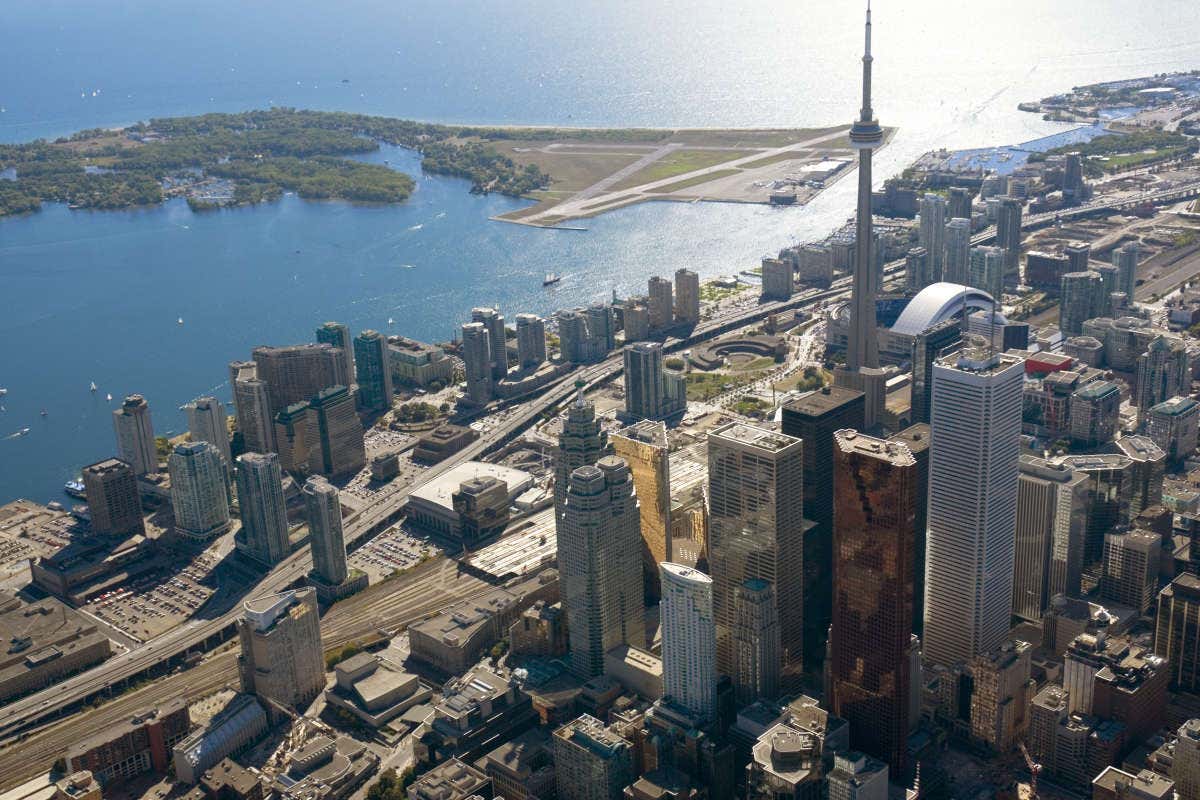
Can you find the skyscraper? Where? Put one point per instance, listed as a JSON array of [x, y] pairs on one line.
[[973, 471], [1050, 527], [338, 335], [644, 448], [932, 233], [1185, 770], [916, 269], [531, 341], [323, 508], [339, 433], [1008, 239], [687, 297], [956, 263], [581, 443], [1079, 295], [927, 346], [987, 270], [648, 389], [373, 370], [491, 319], [199, 490], [477, 361], [756, 530], [599, 564], [295, 373], [814, 418], [135, 435], [1130, 575], [865, 136], [661, 303], [1125, 259], [282, 661], [1177, 631], [916, 438], [207, 423], [1079, 256], [875, 490], [264, 533], [689, 646], [755, 642], [1162, 372], [591, 762], [252, 407], [296, 438], [959, 204], [113, 501]]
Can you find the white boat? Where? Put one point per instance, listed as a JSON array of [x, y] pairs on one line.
[[93, 386], [108, 398], [551, 278], [3, 392], [180, 321], [391, 321]]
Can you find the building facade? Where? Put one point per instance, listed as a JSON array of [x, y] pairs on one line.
[[282, 661], [264, 533], [199, 490], [689, 645], [135, 435], [373, 371]]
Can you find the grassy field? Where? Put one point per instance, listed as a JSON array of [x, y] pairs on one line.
[[678, 163], [688, 183]]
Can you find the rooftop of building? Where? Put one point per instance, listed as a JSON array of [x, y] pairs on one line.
[[821, 401], [637, 658], [440, 491], [1185, 583], [1097, 461], [38, 633], [147, 716], [915, 437], [647, 431], [588, 732], [1176, 406], [455, 625], [1140, 448], [263, 612], [1097, 389], [851, 441], [977, 356], [229, 773], [755, 437], [1146, 784], [522, 755]]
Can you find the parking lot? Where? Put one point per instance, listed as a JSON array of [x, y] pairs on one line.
[[398, 547]]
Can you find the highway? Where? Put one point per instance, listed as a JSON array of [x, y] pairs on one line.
[[191, 637]]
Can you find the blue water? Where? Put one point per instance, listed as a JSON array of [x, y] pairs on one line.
[[95, 295]]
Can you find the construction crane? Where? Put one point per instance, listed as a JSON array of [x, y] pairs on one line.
[[1034, 769]]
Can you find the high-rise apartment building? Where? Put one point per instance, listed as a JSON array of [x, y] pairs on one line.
[[114, 504], [135, 435], [916, 269], [1078, 301], [1177, 631], [295, 373], [477, 362], [252, 408], [491, 319], [1095, 413], [1162, 372], [1079, 256], [373, 370], [296, 438], [282, 661], [1008, 239], [207, 422], [264, 533], [643, 447], [778, 279], [661, 302], [689, 645], [580, 444], [875, 494], [323, 509], [339, 433], [591, 762], [1125, 259], [959, 202], [755, 636], [531, 341], [813, 418], [1050, 526], [973, 472], [987, 270], [687, 297], [650, 393], [338, 335], [756, 531], [199, 490], [956, 263], [599, 564], [1174, 425], [932, 233]]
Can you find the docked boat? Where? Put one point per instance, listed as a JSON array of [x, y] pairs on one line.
[[551, 279], [75, 489]]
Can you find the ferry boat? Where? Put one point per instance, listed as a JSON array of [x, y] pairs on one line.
[[551, 279], [75, 489]]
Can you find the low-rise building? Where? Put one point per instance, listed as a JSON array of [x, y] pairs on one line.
[[541, 630], [453, 780], [523, 769], [1174, 425], [1116, 784], [44, 642], [481, 706], [456, 638], [636, 669], [240, 724], [324, 768], [432, 505], [229, 780], [141, 743], [90, 565], [375, 689], [416, 363], [442, 442]]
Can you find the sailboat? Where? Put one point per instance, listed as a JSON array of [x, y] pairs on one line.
[[93, 387], [551, 278], [391, 321], [179, 321], [108, 398]]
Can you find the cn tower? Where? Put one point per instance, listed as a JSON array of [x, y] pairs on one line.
[[865, 136]]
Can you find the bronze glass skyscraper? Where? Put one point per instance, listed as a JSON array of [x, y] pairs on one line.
[[875, 489]]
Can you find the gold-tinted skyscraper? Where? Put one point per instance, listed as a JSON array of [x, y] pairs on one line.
[[644, 448], [875, 490]]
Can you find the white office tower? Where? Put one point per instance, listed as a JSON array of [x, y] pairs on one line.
[[477, 362], [975, 427], [956, 263], [207, 423], [600, 564], [932, 233], [689, 639], [135, 435], [199, 490]]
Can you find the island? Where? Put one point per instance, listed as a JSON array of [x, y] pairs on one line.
[[216, 160]]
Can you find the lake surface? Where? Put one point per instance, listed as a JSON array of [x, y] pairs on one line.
[[95, 295]]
